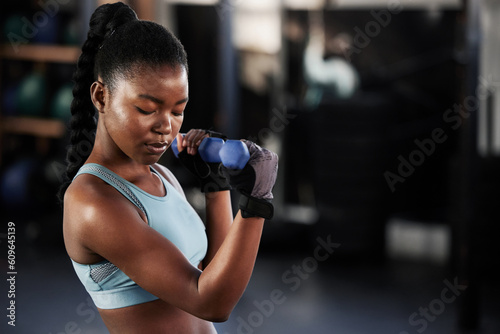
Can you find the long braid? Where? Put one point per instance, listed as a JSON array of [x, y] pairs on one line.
[[83, 123]]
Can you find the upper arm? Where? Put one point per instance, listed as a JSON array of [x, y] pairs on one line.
[[110, 226]]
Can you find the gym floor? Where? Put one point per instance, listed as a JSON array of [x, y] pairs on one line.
[[294, 290]]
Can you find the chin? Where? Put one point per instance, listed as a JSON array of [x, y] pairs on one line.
[[150, 160]]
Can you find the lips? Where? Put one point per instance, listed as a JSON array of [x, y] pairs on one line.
[[157, 148]]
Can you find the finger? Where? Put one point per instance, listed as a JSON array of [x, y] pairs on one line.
[[193, 140], [198, 137], [188, 141], [180, 142], [201, 137], [192, 137]]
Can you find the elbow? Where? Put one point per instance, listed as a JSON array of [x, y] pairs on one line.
[[217, 314], [219, 318]]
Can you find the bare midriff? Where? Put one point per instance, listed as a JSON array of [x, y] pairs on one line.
[[154, 317]]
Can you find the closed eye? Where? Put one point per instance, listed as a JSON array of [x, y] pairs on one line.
[[145, 112]]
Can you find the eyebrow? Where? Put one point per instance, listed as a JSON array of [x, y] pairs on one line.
[[158, 101]]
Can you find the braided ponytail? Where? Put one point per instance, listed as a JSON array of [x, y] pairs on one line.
[[83, 125]]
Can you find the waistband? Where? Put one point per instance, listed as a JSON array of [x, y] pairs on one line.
[[121, 297]]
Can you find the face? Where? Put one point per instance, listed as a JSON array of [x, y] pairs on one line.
[[142, 116]]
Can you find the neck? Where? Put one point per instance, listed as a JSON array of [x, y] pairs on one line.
[[108, 154]]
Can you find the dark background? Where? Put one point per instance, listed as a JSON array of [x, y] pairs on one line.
[[333, 160]]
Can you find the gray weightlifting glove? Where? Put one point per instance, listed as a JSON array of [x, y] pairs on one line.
[[255, 182]]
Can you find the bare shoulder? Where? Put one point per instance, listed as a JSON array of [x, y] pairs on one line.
[[88, 203], [169, 176], [89, 194]]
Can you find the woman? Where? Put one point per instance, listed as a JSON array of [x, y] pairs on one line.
[[140, 250]]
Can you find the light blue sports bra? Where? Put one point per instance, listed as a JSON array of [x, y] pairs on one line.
[[171, 215]]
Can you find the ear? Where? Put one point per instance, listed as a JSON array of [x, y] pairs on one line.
[[97, 94]]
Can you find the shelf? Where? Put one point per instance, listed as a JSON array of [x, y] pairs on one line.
[[49, 128], [42, 53]]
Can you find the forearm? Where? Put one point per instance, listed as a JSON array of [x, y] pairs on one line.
[[233, 246], [219, 217], [225, 279]]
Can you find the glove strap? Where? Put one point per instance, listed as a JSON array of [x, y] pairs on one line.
[[215, 134], [253, 207]]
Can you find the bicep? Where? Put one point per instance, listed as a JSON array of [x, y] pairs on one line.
[[117, 233]]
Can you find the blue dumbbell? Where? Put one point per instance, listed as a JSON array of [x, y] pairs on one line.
[[233, 153], [209, 149]]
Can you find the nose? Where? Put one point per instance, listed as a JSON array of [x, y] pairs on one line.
[[163, 124]]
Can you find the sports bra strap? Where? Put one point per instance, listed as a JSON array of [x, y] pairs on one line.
[[111, 179]]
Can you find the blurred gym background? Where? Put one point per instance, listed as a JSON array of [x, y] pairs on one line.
[[385, 115]]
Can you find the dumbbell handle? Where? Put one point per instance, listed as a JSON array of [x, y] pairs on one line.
[[232, 153]]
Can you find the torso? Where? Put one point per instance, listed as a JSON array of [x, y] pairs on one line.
[[152, 317]]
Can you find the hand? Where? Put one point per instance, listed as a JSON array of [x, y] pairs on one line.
[[191, 141], [255, 182], [208, 174]]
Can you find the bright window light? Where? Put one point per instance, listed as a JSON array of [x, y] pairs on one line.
[[405, 4], [304, 4], [258, 32], [193, 2], [255, 5]]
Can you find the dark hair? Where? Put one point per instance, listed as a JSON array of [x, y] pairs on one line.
[[117, 42]]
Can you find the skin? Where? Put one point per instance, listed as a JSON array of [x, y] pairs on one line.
[[99, 223]]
